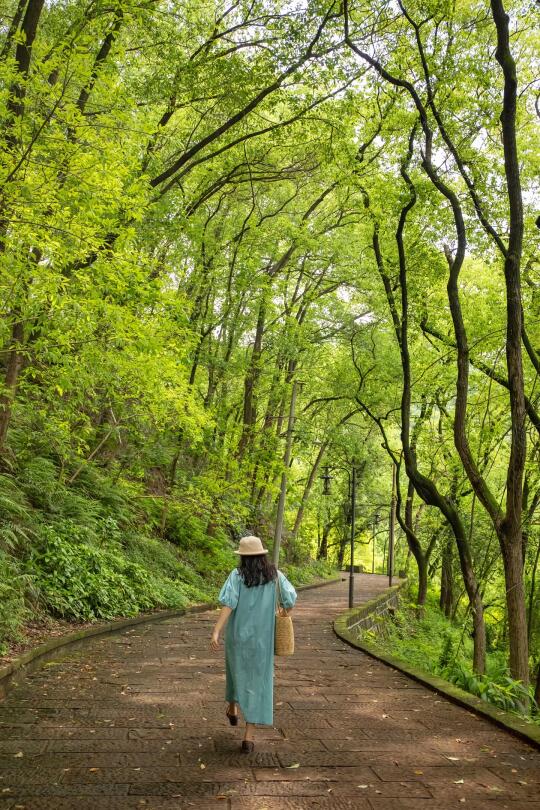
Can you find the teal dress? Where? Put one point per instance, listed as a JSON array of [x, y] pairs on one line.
[[249, 644]]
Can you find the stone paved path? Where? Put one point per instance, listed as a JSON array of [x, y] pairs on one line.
[[136, 720]]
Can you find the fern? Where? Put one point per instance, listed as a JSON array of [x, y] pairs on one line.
[[13, 610], [39, 480], [447, 651]]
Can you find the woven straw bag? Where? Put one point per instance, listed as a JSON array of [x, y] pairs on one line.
[[284, 632]]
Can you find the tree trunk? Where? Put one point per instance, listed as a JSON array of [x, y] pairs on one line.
[[322, 551], [415, 547], [307, 489], [422, 580], [517, 620], [446, 601], [250, 382], [10, 382], [283, 487]]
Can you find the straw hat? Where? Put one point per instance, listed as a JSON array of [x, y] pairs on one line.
[[250, 545]]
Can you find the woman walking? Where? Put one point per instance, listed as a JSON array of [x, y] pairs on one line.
[[249, 601]]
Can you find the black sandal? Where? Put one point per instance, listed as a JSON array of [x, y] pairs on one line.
[[248, 746], [233, 718]]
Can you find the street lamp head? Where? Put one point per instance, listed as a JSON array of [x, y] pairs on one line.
[[326, 478]]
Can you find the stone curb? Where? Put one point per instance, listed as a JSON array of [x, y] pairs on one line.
[[505, 720], [39, 655]]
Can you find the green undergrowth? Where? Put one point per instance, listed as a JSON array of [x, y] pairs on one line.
[[444, 648], [96, 550], [311, 571]]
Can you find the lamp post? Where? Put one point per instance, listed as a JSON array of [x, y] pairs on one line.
[[391, 538], [353, 528], [376, 518], [352, 489]]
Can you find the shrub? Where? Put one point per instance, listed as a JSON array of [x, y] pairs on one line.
[[12, 604], [506, 693], [302, 574], [77, 580]]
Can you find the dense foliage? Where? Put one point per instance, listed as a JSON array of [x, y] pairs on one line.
[[241, 245]]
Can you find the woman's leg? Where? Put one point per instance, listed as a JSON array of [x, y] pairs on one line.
[[249, 733], [232, 708]]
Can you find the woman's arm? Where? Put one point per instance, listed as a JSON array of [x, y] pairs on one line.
[[287, 594], [224, 614]]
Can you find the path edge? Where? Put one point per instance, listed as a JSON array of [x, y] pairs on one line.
[[39, 655], [454, 694]]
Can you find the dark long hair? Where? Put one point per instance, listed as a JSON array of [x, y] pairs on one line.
[[256, 569]]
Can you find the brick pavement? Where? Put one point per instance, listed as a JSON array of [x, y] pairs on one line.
[[136, 720]]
